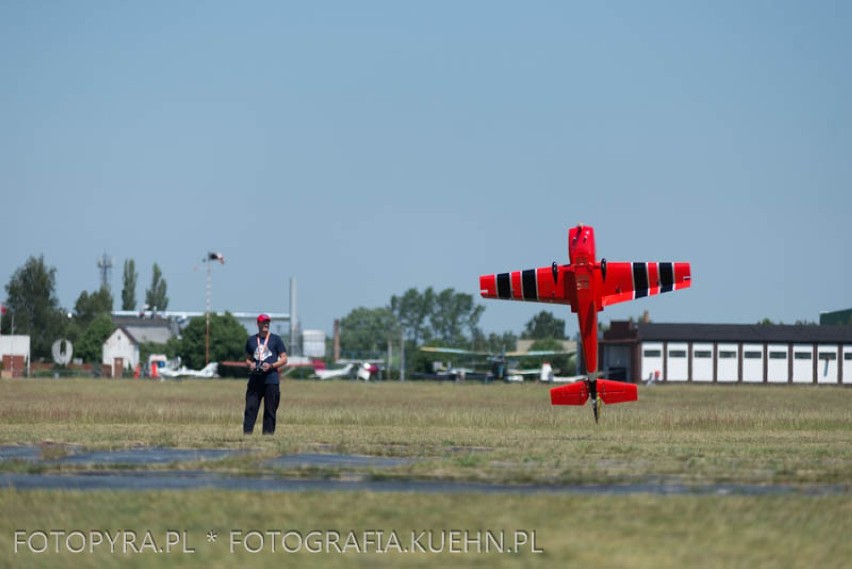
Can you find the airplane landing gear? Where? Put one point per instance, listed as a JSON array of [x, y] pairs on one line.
[[593, 394]]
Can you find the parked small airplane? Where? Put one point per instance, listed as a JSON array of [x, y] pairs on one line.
[[547, 375], [588, 286], [447, 371], [332, 373], [365, 370], [209, 371], [499, 362]]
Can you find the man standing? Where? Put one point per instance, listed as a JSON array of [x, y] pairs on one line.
[[265, 354]]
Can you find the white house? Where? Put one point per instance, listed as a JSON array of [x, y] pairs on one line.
[[15, 355], [121, 349]]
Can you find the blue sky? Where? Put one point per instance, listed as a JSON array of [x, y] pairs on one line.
[[365, 148]]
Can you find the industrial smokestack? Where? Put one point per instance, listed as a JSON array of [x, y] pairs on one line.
[[336, 340], [294, 342]]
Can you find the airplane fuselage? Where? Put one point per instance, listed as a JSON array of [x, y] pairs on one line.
[[587, 292]]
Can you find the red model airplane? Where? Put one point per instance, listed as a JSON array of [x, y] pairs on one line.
[[588, 286]]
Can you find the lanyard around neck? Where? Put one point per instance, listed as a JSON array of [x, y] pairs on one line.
[[265, 341]]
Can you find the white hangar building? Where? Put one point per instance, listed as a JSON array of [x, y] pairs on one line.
[[728, 353]]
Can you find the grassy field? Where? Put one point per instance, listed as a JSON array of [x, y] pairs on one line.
[[493, 433], [508, 434], [570, 531]]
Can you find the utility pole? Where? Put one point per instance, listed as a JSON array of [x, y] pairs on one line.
[[294, 324], [402, 355], [209, 294], [210, 257]]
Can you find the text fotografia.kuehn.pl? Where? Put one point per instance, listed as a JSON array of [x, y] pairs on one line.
[[126, 541]]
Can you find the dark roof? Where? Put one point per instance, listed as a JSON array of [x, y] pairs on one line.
[[127, 333], [779, 333], [140, 330], [155, 322]]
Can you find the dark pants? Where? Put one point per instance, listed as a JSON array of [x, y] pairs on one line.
[[271, 395]]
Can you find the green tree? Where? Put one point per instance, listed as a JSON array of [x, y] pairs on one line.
[[544, 325], [89, 347], [156, 297], [455, 318], [32, 305], [413, 311], [366, 331], [90, 306], [128, 292], [497, 343], [227, 340]]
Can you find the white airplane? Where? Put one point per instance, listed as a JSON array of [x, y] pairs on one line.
[[209, 371], [332, 373], [548, 376], [499, 361], [364, 370]]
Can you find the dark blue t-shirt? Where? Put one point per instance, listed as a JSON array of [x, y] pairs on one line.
[[269, 353]]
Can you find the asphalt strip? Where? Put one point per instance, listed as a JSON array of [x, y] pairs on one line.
[[199, 480]]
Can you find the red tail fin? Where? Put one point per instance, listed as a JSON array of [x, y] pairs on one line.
[[609, 392], [616, 391], [572, 394]]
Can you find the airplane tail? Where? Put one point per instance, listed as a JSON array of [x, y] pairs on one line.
[[616, 391], [576, 393], [608, 391]]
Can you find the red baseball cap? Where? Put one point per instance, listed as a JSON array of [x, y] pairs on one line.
[[263, 318]]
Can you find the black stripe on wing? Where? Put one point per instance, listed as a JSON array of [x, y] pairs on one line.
[[640, 280], [666, 277], [504, 286], [530, 286]]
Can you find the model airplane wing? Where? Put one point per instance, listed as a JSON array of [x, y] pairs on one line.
[[629, 281], [544, 284]]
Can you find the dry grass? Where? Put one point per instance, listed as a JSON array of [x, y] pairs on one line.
[[500, 433], [495, 433], [571, 531]]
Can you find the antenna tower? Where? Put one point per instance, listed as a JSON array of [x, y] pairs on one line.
[[105, 267]]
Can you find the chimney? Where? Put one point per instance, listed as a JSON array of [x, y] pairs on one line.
[[336, 339]]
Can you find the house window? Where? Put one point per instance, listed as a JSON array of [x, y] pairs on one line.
[[827, 356], [847, 356], [727, 354], [677, 353], [703, 354], [752, 355], [777, 355], [652, 353], [803, 355]]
